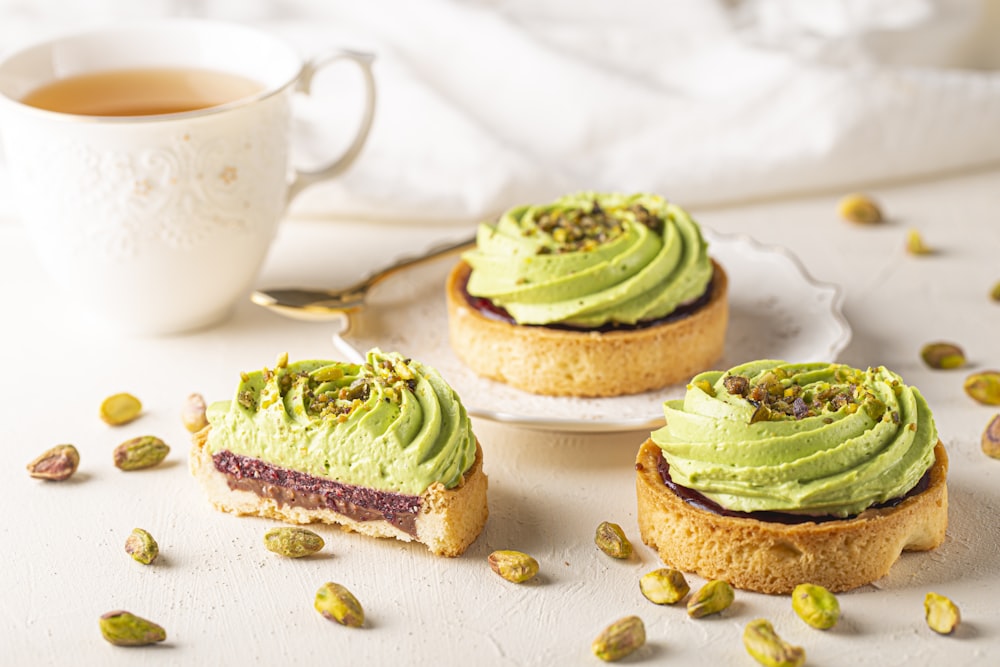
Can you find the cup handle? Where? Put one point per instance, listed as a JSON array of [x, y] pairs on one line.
[[305, 178]]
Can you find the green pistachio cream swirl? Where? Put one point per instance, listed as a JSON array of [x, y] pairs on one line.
[[590, 259], [391, 424], [814, 438]]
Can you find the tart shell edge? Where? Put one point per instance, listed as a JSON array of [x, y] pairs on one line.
[[558, 362], [773, 558]]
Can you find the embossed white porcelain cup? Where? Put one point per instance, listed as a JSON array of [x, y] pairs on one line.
[[159, 224]]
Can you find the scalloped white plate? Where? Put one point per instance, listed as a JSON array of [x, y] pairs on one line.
[[776, 311]]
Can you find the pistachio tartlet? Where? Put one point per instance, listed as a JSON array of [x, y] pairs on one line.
[[771, 475], [590, 295], [383, 448]]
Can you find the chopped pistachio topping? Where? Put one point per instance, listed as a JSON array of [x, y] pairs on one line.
[[775, 396], [573, 229]]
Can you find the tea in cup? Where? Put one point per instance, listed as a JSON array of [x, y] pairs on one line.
[[150, 163]]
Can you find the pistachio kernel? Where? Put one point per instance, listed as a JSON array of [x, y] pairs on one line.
[[943, 355], [995, 292], [736, 384], [767, 648], [292, 542], [816, 606], [120, 409], [713, 597], [123, 628], [193, 413], [143, 452], [610, 538], [141, 546], [513, 565], [860, 208], [55, 464], [984, 387], [282, 360], [336, 603], [664, 586], [761, 414], [991, 438], [915, 243], [619, 639], [706, 387], [941, 613]]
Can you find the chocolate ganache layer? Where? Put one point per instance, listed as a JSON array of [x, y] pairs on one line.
[[695, 499], [494, 312], [290, 487]]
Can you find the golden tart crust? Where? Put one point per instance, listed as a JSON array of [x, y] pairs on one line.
[[558, 362], [771, 557]]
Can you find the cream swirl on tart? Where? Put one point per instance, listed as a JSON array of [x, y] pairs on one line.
[[589, 260], [590, 295], [821, 439], [773, 474], [375, 446]]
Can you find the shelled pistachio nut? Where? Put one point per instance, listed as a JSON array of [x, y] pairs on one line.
[[991, 438], [915, 244], [513, 565], [141, 546], [984, 387], [767, 648], [610, 538], [143, 452], [816, 606], [123, 628], [664, 586], [55, 464], [336, 603], [119, 409], [943, 355], [713, 597], [860, 208], [941, 613], [620, 639], [292, 542], [193, 413]]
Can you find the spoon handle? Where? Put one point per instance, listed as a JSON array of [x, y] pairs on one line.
[[413, 260], [325, 303]]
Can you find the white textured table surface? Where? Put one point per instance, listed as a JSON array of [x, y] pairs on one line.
[[225, 600]]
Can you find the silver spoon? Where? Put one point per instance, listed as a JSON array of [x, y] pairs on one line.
[[321, 304]]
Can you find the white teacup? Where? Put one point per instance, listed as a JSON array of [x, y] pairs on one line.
[[159, 223]]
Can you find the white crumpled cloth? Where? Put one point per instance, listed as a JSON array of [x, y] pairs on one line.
[[486, 104]]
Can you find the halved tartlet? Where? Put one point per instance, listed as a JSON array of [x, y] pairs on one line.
[[383, 448]]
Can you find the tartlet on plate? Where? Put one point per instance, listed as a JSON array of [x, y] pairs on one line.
[[383, 448], [591, 295], [770, 475]]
